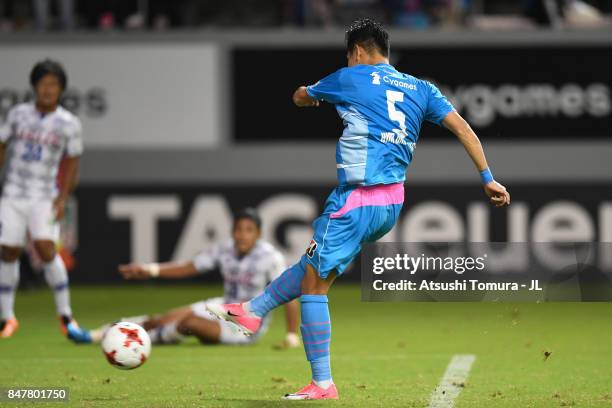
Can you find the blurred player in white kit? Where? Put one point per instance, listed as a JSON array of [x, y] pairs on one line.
[[34, 139], [247, 264]]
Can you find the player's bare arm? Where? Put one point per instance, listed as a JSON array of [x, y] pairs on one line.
[[2, 154], [496, 192], [67, 184], [301, 99], [168, 270]]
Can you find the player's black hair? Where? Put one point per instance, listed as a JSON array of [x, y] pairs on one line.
[[45, 67], [369, 34], [248, 213]]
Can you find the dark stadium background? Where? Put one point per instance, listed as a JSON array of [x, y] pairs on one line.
[[195, 117]]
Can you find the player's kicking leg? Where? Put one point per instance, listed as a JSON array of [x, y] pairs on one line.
[[299, 281], [352, 215], [248, 316], [303, 281]]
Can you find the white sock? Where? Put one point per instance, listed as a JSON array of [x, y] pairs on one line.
[[97, 334], [9, 280], [324, 384], [166, 334], [57, 278]]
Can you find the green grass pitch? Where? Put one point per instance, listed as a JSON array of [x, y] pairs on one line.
[[383, 354]]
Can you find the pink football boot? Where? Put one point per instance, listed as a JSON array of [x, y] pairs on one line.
[[8, 327], [314, 392], [247, 322]]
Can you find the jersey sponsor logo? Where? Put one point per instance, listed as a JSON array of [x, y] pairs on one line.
[[375, 78], [399, 84], [312, 247]]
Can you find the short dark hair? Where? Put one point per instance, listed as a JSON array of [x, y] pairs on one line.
[[369, 34], [45, 67], [248, 213]]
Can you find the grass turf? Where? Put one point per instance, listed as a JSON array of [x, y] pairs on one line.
[[384, 354]]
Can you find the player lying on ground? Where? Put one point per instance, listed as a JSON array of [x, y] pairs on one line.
[[34, 138], [247, 265], [382, 110]]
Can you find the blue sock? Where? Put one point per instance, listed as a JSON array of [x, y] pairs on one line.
[[281, 290], [316, 334]]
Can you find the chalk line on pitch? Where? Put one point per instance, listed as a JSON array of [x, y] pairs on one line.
[[452, 382]]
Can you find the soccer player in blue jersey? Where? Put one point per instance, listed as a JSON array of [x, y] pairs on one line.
[[382, 110]]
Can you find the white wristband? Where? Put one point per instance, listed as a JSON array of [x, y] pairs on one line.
[[152, 269]]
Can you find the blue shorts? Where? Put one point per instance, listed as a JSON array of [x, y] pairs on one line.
[[352, 215]]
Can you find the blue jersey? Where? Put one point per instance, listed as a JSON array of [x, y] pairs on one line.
[[382, 111]]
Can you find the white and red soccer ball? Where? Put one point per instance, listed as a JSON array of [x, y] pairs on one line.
[[126, 345]]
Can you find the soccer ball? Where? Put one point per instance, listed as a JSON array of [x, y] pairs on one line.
[[126, 345]]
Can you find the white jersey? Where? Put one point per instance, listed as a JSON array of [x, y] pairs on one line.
[[37, 143], [243, 277]]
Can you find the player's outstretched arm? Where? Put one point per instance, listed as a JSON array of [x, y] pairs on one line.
[[302, 99], [169, 270], [2, 153], [496, 192]]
